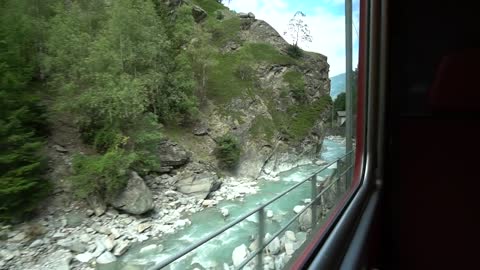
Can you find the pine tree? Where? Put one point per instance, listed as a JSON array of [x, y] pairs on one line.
[[21, 185]]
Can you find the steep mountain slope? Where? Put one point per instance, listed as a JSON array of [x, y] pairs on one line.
[[273, 104]]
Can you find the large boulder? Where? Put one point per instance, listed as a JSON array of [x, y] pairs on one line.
[[172, 155], [136, 198], [239, 254], [60, 260], [198, 13], [97, 204], [199, 185], [274, 247], [305, 220]]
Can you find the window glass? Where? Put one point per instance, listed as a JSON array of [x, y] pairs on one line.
[[189, 134]]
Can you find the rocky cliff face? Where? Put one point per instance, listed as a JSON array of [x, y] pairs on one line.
[[275, 105]]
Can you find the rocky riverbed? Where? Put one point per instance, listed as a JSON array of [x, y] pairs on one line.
[[74, 237], [71, 234]]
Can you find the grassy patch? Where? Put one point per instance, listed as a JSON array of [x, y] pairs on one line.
[[296, 84], [267, 53], [224, 82], [263, 127], [303, 117], [224, 31], [210, 6]]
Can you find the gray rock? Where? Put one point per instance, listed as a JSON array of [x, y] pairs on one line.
[[115, 234], [60, 148], [269, 213], [148, 248], [280, 261], [243, 15], [97, 204], [268, 263], [74, 219], [274, 246], [59, 235], [8, 255], [36, 243], [73, 245], [298, 208], [171, 154], [199, 185], [89, 212], [290, 235], [19, 237], [251, 15], [198, 13], [142, 227], [200, 130], [85, 238], [106, 258], [84, 257], [171, 193], [225, 212], [305, 220], [59, 260], [239, 254], [301, 237], [253, 246], [121, 247], [99, 248], [289, 248], [136, 198], [108, 243], [101, 229]]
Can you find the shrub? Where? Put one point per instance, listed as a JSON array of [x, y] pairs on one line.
[[294, 51], [244, 72], [219, 15], [228, 152], [21, 163], [101, 174], [296, 83]]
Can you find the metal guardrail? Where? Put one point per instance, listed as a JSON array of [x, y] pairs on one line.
[[260, 210]]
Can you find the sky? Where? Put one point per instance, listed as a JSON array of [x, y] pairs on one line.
[[325, 18]]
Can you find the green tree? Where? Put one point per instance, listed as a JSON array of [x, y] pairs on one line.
[[228, 151], [340, 102], [21, 118]]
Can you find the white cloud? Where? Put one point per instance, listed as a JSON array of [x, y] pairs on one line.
[[327, 28]]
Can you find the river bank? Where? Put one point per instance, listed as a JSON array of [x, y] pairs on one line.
[[73, 237]]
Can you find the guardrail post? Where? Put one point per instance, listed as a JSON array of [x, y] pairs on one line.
[[322, 207], [345, 175], [261, 236], [313, 181]]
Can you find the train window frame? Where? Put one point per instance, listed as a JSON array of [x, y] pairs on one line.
[[339, 243]]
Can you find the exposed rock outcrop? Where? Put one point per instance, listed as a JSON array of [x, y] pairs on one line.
[[172, 155], [136, 198], [198, 13], [276, 129], [199, 185]]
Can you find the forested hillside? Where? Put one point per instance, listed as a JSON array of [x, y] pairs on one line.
[[132, 113], [130, 74]]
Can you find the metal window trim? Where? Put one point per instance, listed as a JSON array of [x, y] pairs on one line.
[[342, 243]]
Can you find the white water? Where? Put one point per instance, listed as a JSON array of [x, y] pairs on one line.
[[218, 251]]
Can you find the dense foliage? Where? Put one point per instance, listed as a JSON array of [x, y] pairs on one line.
[[22, 122], [228, 151], [340, 102], [120, 70]]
